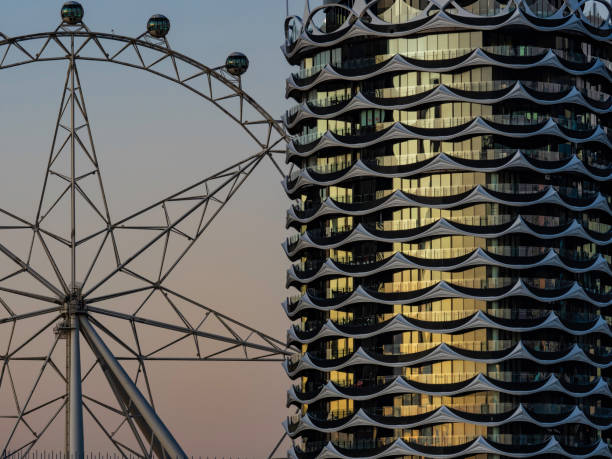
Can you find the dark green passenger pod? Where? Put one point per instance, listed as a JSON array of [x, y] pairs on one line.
[[237, 64], [158, 26], [72, 13]]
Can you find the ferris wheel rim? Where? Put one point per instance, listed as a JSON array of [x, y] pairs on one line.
[[139, 41]]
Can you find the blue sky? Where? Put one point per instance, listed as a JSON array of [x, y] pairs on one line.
[[153, 138]]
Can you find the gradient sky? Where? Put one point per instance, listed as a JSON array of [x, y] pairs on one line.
[[152, 138]]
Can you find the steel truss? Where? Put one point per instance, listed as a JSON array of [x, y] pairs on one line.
[[102, 291]]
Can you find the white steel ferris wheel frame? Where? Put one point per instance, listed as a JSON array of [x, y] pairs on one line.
[[71, 299]]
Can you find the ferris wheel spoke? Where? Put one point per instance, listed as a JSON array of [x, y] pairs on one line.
[[184, 320], [17, 406], [32, 272], [142, 365], [123, 293], [6, 307], [105, 211], [13, 389], [136, 409], [91, 204], [45, 404], [46, 427], [218, 191], [53, 154], [23, 223], [61, 375], [31, 295], [237, 334], [228, 172], [51, 259], [24, 450], [131, 451], [123, 412], [102, 404], [12, 354], [18, 452], [277, 446], [221, 352], [29, 397], [113, 336], [4, 357], [167, 241], [254, 339], [185, 332], [107, 434], [90, 371], [11, 275], [276, 165], [54, 236], [5, 362], [117, 411], [17, 317], [127, 418], [78, 146], [206, 218], [96, 257], [151, 355], [228, 321], [110, 409], [139, 277], [38, 435]]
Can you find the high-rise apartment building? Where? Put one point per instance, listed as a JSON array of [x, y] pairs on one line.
[[451, 179]]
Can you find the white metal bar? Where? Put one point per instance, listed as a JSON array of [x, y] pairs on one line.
[[77, 445], [147, 419]]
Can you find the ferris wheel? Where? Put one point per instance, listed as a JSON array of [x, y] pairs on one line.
[[89, 283]]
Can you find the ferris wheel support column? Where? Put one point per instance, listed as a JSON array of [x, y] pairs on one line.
[[153, 428], [76, 397], [75, 441]]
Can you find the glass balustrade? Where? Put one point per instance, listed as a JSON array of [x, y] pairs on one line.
[[364, 63], [400, 92]]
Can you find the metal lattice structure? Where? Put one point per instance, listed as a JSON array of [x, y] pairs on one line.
[[88, 274]]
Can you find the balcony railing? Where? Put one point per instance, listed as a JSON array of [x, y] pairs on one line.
[[446, 54], [513, 377], [447, 440], [400, 92], [452, 122]]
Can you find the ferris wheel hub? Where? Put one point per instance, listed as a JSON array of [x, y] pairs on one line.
[[73, 306]]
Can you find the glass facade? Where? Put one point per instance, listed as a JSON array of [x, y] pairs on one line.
[[452, 216]]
